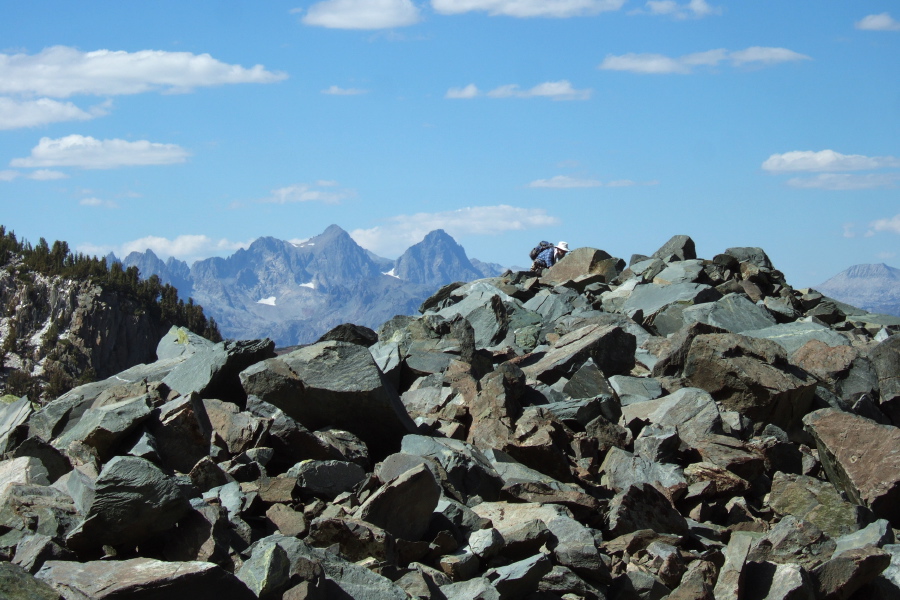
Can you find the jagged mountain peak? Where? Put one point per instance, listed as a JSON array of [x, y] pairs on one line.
[[435, 260]]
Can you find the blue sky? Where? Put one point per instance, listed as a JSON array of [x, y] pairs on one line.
[[194, 128]]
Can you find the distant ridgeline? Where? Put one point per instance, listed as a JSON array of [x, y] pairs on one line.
[[67, 318]]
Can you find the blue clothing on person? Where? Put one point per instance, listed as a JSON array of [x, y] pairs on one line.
[[547, 256]]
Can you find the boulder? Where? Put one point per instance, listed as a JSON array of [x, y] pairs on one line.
[[133, 500], [733, 313], [13, 423], [643, 507], [327, 478], [333, 384], [861, 458], [610, 348], [18, 584], [750, 376], [584, 261], [142, 579], [212, 371], [792, 336], [649, 299], [815, 501], [468, 469], [403, 506], [352, 334], [679, 247], [102, 428]]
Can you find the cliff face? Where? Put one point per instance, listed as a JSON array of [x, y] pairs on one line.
[[53, 328]]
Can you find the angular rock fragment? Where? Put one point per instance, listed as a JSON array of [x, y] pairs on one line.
[[333, 384], [142, 579], [403, 506], [861, 458]]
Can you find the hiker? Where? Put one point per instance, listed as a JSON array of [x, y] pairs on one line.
[[549, 256]]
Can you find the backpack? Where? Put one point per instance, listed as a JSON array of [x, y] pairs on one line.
[[538, 249]]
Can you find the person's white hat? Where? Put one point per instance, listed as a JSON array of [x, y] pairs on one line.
[[563, 246]]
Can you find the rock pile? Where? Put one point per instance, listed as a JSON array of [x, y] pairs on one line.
[[678, 428]]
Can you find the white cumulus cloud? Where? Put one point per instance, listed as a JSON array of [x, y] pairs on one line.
[[527, 8], [61, 72], [693, 9], [86, 152], [555, 90], [826, 160], [660, 64], [470, 91], [9, 175], [362, 14], [322, 191], [891, 225], [15, 114], [402, 231], [879, 22]]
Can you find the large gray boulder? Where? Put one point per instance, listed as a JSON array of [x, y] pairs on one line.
[[403, 506], [102, 428], [733, 313], [133, 500], [792, 336], [610, 348], [333, 384], [212, 371], [468, 470], [13, 423]]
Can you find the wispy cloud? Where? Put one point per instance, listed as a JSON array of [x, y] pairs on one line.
[[60, 72], [402, 231], [694, 9], [660, 64], [846, 181], [328, 192], [361, 14], [97, 202], [527, 8], [86, 152], [38, 175], [16, 114], [826, 160], [555, 90], [567, 182], [879, 22], [184, 247], [339, 91]]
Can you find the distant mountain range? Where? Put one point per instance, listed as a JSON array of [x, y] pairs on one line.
[[875, 288], [293, 293]]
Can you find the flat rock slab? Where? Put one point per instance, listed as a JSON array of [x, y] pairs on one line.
[[403, 506], [651, 298], [610, 347], [333, 384], [861, 458], [792, 336], [142, 579], [733, 313]]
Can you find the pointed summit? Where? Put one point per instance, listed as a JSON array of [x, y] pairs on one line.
[[436, 260]]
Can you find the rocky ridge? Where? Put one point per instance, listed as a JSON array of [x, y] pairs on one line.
[[676, 427]]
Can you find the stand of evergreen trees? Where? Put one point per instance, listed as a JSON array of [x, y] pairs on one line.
[[153, 296]]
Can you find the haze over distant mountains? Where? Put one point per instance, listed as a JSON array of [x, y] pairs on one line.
[[875, 288], [293, 293]]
